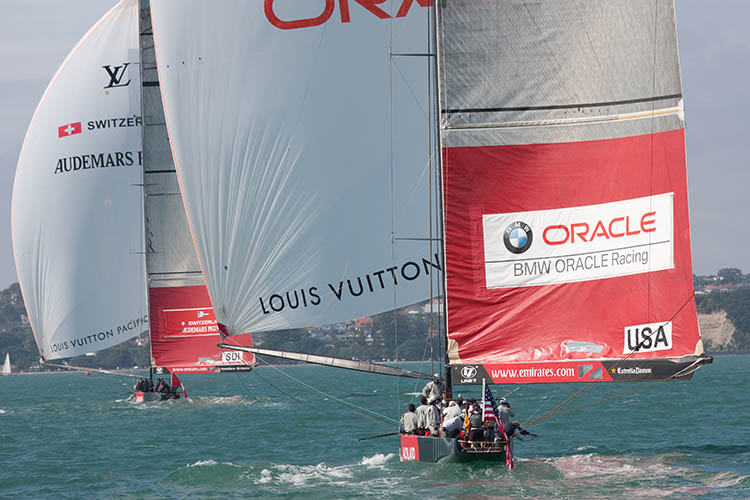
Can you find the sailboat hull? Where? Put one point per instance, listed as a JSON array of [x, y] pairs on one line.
[[433, 449], [145, 397]]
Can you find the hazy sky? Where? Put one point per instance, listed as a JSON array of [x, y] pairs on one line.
[[36, 35]]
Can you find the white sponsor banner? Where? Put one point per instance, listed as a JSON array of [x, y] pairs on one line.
[[648, 337], [232, 357], [584, 243]]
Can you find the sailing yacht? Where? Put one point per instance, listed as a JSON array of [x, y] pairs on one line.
[[6, 370], [102, 246], [555, 223]]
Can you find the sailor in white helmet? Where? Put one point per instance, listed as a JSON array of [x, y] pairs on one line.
[[433, 389]]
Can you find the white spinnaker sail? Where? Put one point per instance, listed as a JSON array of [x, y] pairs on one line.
[[278, 115], [6, 364], [77, 203]]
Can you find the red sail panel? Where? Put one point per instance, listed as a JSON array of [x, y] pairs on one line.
[[184, 333], [569, 251]]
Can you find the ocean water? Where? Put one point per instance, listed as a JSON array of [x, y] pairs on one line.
[[263, 435]]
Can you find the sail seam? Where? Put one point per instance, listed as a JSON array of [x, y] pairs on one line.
[[564, 106], [636, 115]]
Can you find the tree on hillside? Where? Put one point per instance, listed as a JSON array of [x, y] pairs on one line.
[[730, 275]]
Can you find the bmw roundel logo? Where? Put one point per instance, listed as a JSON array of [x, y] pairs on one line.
[[518, 237]]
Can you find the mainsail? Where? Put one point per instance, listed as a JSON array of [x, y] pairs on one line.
[[567, 233], [284, 176], [77, 236]]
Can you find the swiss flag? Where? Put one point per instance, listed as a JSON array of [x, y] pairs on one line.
[[69, 129]]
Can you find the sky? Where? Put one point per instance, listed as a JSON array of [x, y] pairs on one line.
[[36, 35]]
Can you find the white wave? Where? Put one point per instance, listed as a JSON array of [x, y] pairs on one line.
[[300, 475], [585, 448], [593, 465], [210, 462], [724, 480], [377, 459], [2, 412]]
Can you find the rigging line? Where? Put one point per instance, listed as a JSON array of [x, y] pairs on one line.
[[692, 367], [424, 355], [543, 403], [411, 91], [304, 403], [247, 389], [554, 411], [352, 406], [608, 398]]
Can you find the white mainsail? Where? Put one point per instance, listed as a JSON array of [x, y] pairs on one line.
[[76, 209], [6, 364], [287, 138]]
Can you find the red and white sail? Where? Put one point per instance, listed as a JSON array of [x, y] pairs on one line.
[[76, 216], [567, 232], [288, 138]]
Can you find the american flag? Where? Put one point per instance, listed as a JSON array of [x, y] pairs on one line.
[[490, 413]]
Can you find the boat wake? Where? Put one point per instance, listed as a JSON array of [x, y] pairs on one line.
[[635, 476], [236, 400]]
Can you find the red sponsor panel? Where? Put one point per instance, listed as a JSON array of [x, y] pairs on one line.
[[139, 398], [409, 448], [569, 251], [548, 372], [184, 332]]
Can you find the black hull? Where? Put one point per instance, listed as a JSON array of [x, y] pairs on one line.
[[434, 449]]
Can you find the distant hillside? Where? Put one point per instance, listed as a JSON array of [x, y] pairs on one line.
[[724, 316], [725, 319]]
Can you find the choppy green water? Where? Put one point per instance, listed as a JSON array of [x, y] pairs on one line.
[[71, 436]]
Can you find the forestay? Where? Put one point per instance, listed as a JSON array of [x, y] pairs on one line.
[[283, 133], [76, 209], [566, 212]]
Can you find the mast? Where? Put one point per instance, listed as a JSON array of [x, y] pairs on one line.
[[441, 223], [145, 38]]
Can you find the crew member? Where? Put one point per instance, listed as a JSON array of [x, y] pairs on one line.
[[409, 421], [433, 389], [423, 412], [506, 413], [476, 430]]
